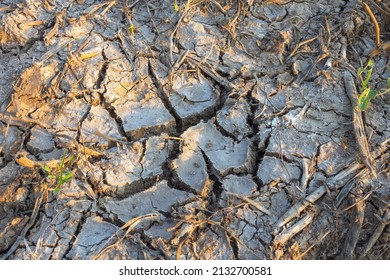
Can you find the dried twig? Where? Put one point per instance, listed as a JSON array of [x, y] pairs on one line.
[[376, 25], [384, 221], [300, 256], [358, 124], [255, 204], [354, 230], [130, 225], [380, 47], [300, 45], [333, 183], [348, 187], [209, 71], [287, 234], [385, 9]]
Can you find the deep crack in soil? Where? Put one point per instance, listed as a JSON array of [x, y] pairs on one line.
[[221, 131]]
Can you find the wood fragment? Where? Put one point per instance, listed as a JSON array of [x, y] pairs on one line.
[[290, 232], [255, 204], [333, 183], [31, 23], [300, 45], [61, 45], [300, 256], [384, 221], [348, 187], [344, 193], [208, 70], [112, 139], [354, 230], [22, 159], [297, 208], [384, 9], [358, 124], [376, 25], [59, 18], [20, 121]]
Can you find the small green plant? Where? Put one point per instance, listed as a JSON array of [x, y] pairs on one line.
[[366, 93], [175, 6], [61, 173], [132, 29]]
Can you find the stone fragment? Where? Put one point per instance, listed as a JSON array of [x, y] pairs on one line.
[[70, 116], [241, 185], [212, 245], [192, 98], [159, 198], [99, 122], [45, 234], [92, 237], [200, 38], [233, 117], [250, 247], [143, 113], [294, 143], [273, 169], [10, 140], [251, 31], [190, 168], [279, 203], [66, 224], [224, 154], [156, 153], [10, 230], [8, 174], [41, 141], [123, 168], [315, 121], [271, 12], [333, 158], [161, 230]]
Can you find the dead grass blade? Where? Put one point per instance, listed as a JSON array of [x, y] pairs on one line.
[[333, 183], [300, 256], [354, 230], [255, 204], [129, 226], [22, 159], [358, 124], [384, 221], [290, 232]]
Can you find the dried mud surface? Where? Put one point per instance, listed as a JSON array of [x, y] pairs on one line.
[[219, 131]]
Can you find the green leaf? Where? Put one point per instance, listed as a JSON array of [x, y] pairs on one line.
[[46, 168], [368, 69], [367, 72], [365, 98], [71, 160], [56, 190], [132, 29], [175, 6], [388, 81], [65, 176]]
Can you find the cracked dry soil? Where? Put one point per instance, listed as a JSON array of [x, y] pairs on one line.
[[219, 131]]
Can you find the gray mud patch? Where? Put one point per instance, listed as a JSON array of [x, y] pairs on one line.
[[221, 131]]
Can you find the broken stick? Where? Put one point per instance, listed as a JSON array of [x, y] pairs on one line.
[[358, 124]]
